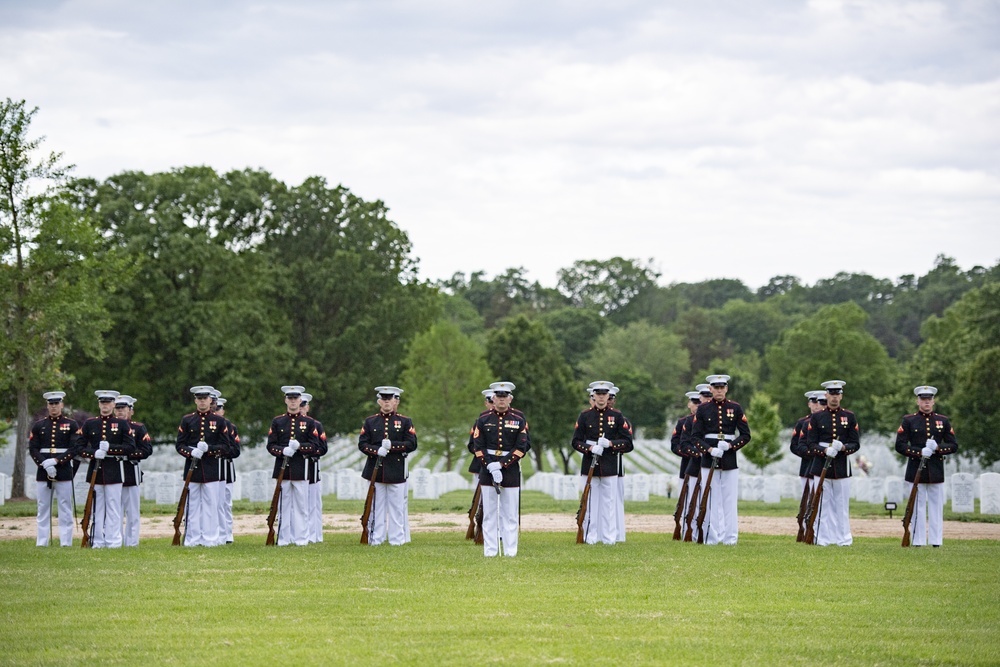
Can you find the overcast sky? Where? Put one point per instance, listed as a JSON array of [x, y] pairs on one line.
[[730, 138]]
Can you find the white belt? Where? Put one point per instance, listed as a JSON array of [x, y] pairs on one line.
[[716, 436], [54, 450]]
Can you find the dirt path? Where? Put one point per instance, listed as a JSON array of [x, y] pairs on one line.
[[249, 524]]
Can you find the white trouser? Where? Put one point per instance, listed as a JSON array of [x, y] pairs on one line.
[[388, 515], [107, 515], [601, 522], [833, 520], [500, 520], [620, 511], [315, 512], [130, 507], [722, 517], [225, 512], [294, 510], [926, 526], [802, 485], [406, 510], [202, 527], [63, 492], [691, 499]]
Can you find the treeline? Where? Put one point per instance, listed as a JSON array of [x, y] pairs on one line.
[[246, 283]]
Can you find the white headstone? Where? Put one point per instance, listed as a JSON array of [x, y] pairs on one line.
[[640, 489], [30, 486], [359, 486], [3, 488], [569, 487], [80, 487], [963, 492], [989, 498], [238, 488], [772, 489], [345, 484], [660, 483], [8, 485], [790, 487], [422, 484], [894, 490], [165, 492], [258, 487], [628, 491], [861, 488], [329, 482], [150, 482]]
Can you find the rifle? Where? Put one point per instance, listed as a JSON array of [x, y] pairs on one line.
[[182, 505], [681, 497], [912, 503], [693, 505], [703, 509], [810, 537], [804, 508], [273, 513], [478, 537], [88, 507], [470, 534], [581, 513], [369, 502]]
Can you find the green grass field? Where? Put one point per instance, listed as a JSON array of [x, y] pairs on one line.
[[438, 601]]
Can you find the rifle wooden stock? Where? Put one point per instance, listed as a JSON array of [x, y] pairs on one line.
[[478, 539], [88, 508], [703, 508], [678, 513], [581, 513], [810, 537], [912, 503], [693, 505], [369, 503], [803, 511], [182, 504], [470, 534], [272, 515]]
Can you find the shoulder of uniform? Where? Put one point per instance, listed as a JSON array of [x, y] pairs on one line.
[[377, 414], [729, 402], [135, 423], [847, 412], [403, 416], [938, 414]]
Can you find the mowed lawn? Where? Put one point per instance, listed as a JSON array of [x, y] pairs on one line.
[[437, 601]]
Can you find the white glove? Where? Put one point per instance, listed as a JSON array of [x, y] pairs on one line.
[[926, 452], [494, 467], [387, 443], [294, 444], [50, 471], [383, 451], [288, 451], [596, 450], [104, 444], [603, 442], [49, 463], [197, 453], [715, 452], [497, 476], [838, 445], [100, 454], [932, 443], [831, 452], [202, 445], [724, 446]]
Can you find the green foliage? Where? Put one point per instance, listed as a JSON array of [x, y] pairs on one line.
[[607, 286], [700, 332], [641, 401], [832, 344], [961, 357], [235, 604], [577, 330], [247, 284], [52, 286], [506, 295], [765, 448], [444, 374], [744, 375], [751, 326], [644, 347], [526, 353]]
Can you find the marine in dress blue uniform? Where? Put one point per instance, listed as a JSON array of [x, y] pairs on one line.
[[52, 445], [107, 442]]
